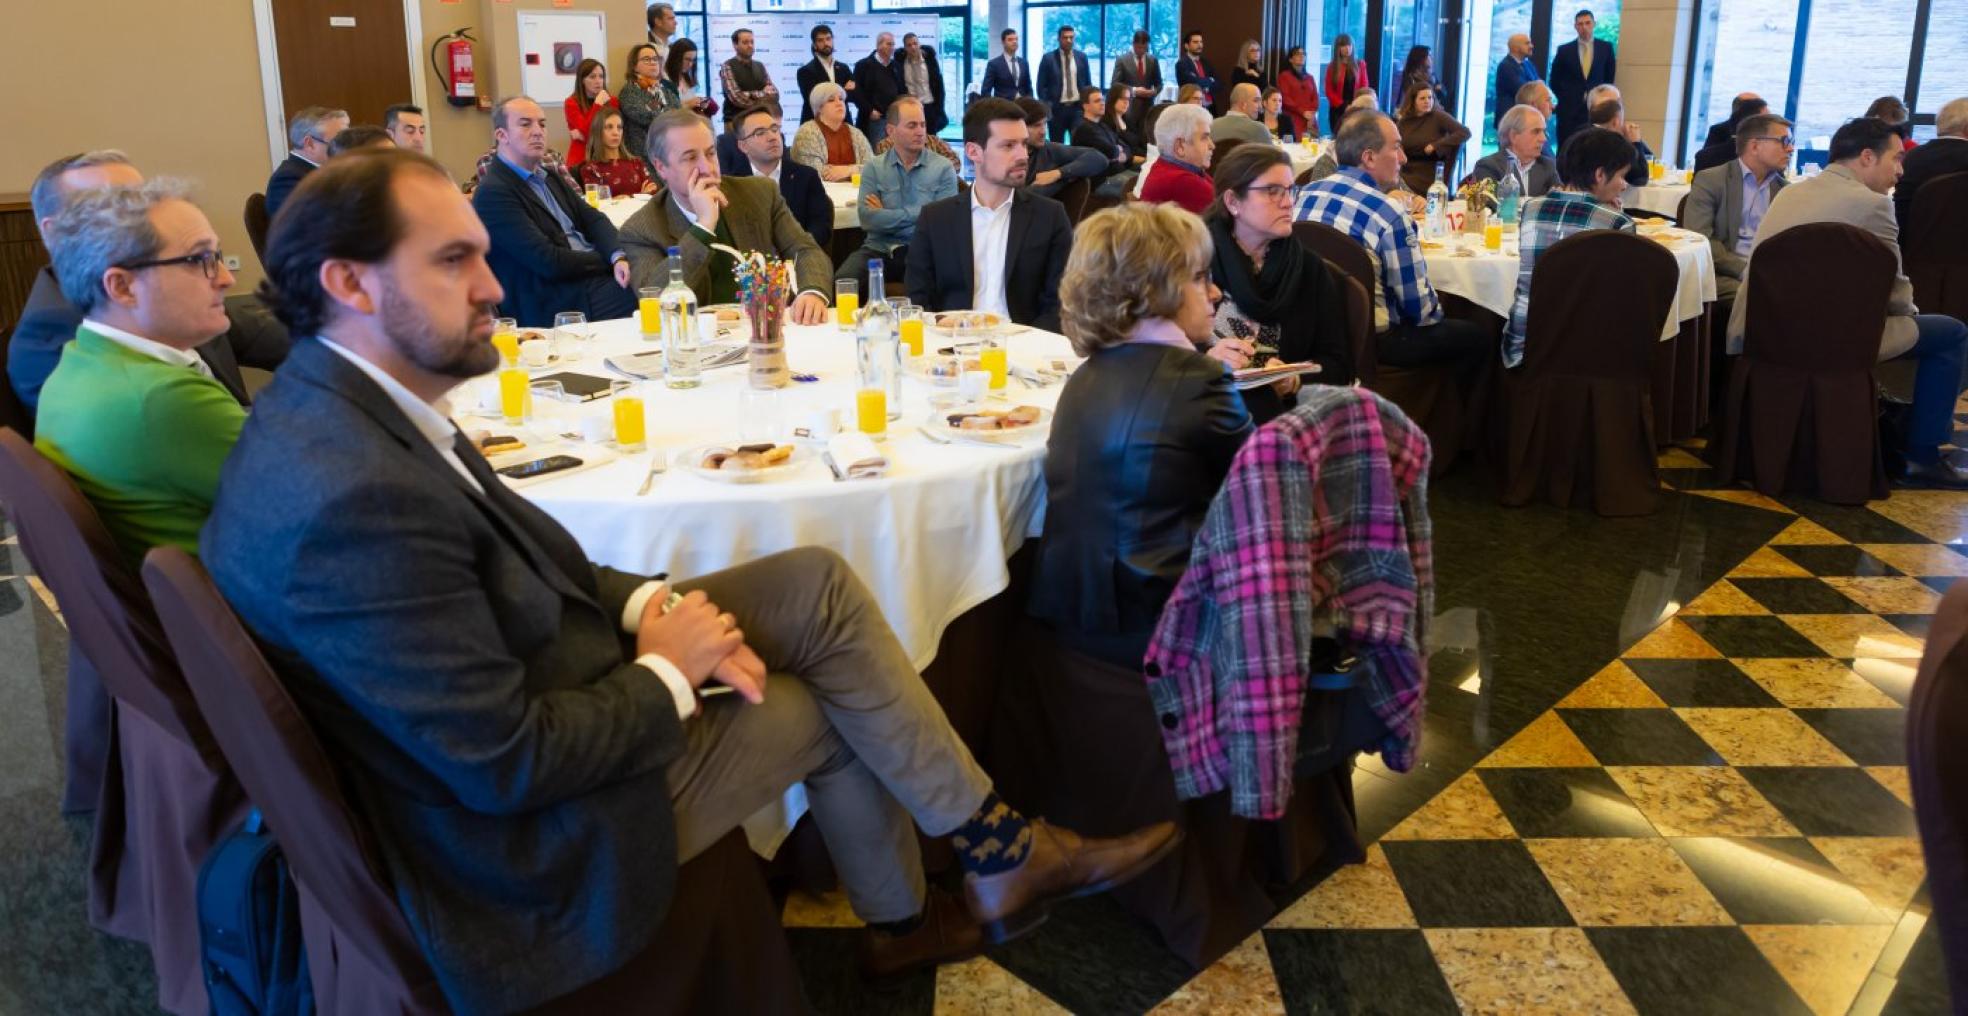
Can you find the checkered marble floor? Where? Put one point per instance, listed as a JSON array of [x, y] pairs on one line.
[[1716, 821]]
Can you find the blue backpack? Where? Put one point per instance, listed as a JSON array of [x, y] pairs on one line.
[[249, 928]]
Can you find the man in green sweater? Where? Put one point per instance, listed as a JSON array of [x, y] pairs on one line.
[[130, 412]]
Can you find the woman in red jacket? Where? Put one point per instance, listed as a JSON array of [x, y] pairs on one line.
[[1345, 78], [1300, 92], [590, 95]]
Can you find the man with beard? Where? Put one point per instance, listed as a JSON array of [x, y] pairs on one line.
[[532, 782], [823, 68], [963, 258]]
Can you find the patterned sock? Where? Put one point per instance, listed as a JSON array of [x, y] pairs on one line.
[[993, 839]]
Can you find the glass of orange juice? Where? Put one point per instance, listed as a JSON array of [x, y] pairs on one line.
[[871, 412], [515, 394], [593, 193], [505, 338], [649, 313], [847, 300], [992, 358], [631, 418], [1493, 233], [911, 318], [1654, 170]]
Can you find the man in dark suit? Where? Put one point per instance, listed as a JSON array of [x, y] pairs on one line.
[[1947, 153], [999, 248], [1514, 71], [762, 152], [551, 251], [523, 729], [1192, 69], [922, 77], [877, 82], [1063, 75], [1578, 67], [1007, 76], [1141, 74], [823, 68], [308, 134], [1743, 106], [48, 321], [1520, 154]]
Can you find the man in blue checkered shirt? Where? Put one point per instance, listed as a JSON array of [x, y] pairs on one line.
[[1407, 316], [1592, 177]]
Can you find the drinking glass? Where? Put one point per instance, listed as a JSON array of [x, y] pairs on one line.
[[505, 338], [593, 193], [1493, 234], [759, 415], [605, 192], [514, 394], [871, 412], [570, 333], [992, 359], [649, 312], [847, 300], [631, 418], [911, 318]]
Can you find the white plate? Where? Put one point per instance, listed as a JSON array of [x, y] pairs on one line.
[[692, 460], [940, 422]]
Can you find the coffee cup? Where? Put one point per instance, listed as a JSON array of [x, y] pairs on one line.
[[535, 352]]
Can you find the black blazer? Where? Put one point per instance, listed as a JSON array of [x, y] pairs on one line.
[[1005, 82], [1101, 138], [875, 87], [1935, 158], [285, 178], [1141, 440], [800, 185], [814, 73], [256, 338], [542, 273], [1036, 246]]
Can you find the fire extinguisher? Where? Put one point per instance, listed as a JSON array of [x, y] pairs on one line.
[[456, 69]]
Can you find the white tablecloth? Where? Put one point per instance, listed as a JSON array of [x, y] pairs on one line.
[[930, 539], [1489, 279], [1661, 198], [842, 194]]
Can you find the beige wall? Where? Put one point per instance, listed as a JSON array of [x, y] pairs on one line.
[[1653, 68], [187, 99]]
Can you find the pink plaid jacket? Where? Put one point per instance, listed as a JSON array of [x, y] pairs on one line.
[[1324, 514]]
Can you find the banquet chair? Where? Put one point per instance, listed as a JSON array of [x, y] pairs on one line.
[[12, 412], [1801, 414], [1931, 243], [720, 948], [1937, 723], [164, 793], [1428, 395], [1359, 328], [1074, 196], [1580, 414], [257, 222], [1223, 150]]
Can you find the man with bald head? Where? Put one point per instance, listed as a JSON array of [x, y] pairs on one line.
[[1516, 70], [1724, 133], [1239, 122]]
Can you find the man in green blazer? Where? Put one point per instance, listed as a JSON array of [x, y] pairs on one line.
[[697, 208], [131, 412]]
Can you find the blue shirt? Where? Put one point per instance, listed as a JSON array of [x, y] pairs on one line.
[[1756, 202], [903, 193], [1352, 203], [536, 179]]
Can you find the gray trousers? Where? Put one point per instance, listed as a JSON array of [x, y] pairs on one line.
[[844, 711]]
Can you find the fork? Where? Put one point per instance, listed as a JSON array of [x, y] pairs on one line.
[[658, 463]]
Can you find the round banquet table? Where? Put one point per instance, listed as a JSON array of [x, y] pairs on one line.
[[930, 539], [1661, 197], [841, 193]]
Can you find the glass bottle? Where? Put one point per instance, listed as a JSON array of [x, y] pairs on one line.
[[680, 339], [1438, 207], [876, 349]]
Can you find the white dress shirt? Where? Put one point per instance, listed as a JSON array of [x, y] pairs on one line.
[[990, 240], [149, 347], [433, 421], [756, 171]]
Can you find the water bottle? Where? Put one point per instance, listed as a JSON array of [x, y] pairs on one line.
[[1438, 207], [877, 342], [1507, 196], [680, 340]]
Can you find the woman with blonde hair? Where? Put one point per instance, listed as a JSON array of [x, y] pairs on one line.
[[828, 143], [1249, 68], [1144, 431]]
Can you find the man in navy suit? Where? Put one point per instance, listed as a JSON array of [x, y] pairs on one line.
[[1007, 76], [1577, 68], [550, 250], [308, 134], [1515, 71], [1192, 69], [761, 151], [1063, 75]]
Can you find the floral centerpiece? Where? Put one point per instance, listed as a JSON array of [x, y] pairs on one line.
[[765, 286], [1480, 198]]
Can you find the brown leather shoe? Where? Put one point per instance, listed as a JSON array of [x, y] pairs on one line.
[[947, 934], [1061, 864]]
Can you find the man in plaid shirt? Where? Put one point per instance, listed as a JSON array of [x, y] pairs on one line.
[[1592, 177], [747, 84], [1407, 316]]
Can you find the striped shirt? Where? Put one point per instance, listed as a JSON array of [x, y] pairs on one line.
[[1352, 203], [1546, 221]]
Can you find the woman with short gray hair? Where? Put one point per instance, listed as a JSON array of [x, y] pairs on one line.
[[828, 143]]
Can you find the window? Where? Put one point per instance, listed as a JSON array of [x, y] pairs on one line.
[[1101, 31], [1342, 17], [1844, 70], [1506, 18], [793, 6], [1748, 49], [1943, 74], [1406, 24]]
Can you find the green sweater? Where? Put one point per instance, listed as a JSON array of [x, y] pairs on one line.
[[142, 438]]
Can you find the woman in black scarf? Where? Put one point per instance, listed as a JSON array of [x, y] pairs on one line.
[[1276, 294]]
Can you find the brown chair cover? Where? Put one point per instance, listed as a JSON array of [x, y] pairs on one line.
[[1581, 416], [1937, 726], [1801, 413], [1222, 151], [1934, 244], [256, 223], [1429, 395], [1681, 209], [165, 793], [719, 949], [12, 412], [1074, 196], [1359, 326]]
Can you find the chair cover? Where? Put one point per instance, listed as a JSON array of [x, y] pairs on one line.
[[1581, 416], [1801, 414], [257, 221], [1937, 724], [1934, 244], [12, 412]]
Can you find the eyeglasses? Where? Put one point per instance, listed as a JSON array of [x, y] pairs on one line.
[[646, 58], [754, 135], [1785, 140], [1274, 191], [208, 261]]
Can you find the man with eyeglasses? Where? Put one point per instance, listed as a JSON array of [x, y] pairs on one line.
[[308, 134], [131, 412], [1727, 203], [762, 152]]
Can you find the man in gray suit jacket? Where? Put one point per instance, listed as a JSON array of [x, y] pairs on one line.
[[1865, 164], [1520, 153], [525, 731], [1727, 203], [1141, 74]]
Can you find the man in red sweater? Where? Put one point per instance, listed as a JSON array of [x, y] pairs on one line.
[[1180, 173]]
